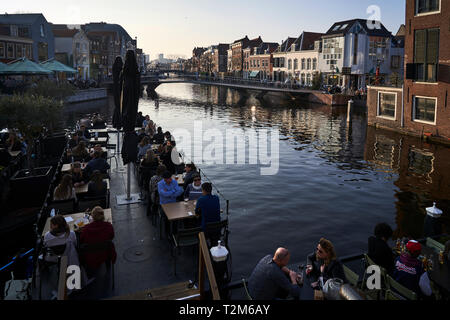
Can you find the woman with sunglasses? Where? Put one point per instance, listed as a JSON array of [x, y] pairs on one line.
[[324, 265], [194, 190]]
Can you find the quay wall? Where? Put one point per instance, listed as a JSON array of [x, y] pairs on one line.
[[88, 95]]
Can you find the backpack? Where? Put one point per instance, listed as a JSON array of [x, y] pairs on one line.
[[17, 289]]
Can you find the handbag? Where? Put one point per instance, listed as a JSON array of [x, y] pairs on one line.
[[17, 289]]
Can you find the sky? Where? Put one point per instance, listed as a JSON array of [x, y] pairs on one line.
[[175, 27]]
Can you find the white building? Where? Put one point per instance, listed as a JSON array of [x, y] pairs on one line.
[[353, 50]]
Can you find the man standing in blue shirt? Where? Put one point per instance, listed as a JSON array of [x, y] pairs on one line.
[[208, 206], [168, 189]]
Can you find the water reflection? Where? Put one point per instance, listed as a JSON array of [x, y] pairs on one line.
[[335, 179]]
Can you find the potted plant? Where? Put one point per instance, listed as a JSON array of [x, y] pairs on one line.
[[32, 115]]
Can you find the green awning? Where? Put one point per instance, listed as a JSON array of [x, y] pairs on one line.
[[254, 74], [56, 66], [23, 66]]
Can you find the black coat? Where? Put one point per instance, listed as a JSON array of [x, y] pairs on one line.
[[333, 270], [381, 254]]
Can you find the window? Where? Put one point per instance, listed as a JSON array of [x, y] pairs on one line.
[[295, 64], [395, 62], [14, 31], [303, 64], [28, 51], [324, 57], [19, 50], [2, 50], [424, 109], [386, 104], [426, 6], [289, 64], [308, 79], [309, 64], [303, 78], [426, 54], [24, 32], [42, 31], [355, 51], [10, 51], [314, 66]]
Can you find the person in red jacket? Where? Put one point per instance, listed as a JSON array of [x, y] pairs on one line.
[[95, 232]]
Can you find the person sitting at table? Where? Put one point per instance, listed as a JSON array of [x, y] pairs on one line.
[[97, 163], [141, 135], [150, 160], [271, 279], [75, 140], [97, 187], [146, 121], [324, 264], [80, 152], [194, 189], [65, 190], [166, 157], [139, 120], [97, 121], [150, 128], [208, 206], [13, 143], [98, 148], [167, 137], [379, 251], [85, 132], [191, 171], [60, 234], [168, 189], [143, 146], [78, 179], [409, 271], [96, 232], [158, 137]]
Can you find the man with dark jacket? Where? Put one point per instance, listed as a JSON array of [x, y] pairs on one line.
[[271, 279], [97, 163], [379, 251]]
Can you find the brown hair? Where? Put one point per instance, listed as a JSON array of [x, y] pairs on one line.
[[61, 225], [160, 170], [145, 141], [80, 149], [150, 156], [97, 179], [329, 249], [98, 214], [64, 189]]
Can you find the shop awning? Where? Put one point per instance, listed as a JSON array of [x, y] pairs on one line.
[[23, 66], [56, 66], [254, 74]]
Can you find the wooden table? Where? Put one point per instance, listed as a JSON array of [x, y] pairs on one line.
[[75, 217], [67, 166], [100, 140], [84, 188], [179, 210]]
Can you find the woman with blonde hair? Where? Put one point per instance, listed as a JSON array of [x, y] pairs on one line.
[[80, 152], [65, 190], [324, 264]]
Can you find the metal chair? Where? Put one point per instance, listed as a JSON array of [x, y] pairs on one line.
[[435, 245], [86, 248], [369, 262], [215, 231], [63, 207], [351, 276], [112, 154], [247, 293], [400, 289], [184, 238], [50, 256]]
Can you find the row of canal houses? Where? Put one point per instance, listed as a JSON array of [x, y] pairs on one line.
[[90, 48], [349, 54]]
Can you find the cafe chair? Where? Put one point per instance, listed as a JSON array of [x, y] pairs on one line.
[[399, 289], [91, 202], [100, 247], [373, 292], [216, 231], [64, 206], [50, 256], [245, 285], [111, 150], [435, 245], [351, 276], [184, 238]]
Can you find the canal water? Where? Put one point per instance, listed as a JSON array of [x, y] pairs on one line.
[[334, 180]]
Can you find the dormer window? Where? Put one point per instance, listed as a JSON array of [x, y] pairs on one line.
[[42, 31]]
